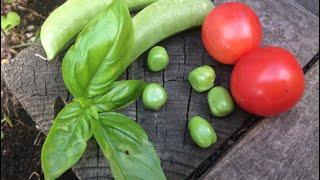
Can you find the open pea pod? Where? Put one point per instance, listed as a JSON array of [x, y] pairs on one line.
[[127, 148], [66, 140], [100, 53], [121, 94]]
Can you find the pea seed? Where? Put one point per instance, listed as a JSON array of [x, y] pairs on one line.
[[202, 132], [158, 59], [202, 78], [154, 96], [220, 102]]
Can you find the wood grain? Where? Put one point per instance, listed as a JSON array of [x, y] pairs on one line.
[[38, 86], [311, 5], [285, 147]]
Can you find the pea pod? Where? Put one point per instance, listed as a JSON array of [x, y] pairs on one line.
[[98, 58], [150, 27], [201, 131], [138, 4], [220, 101], [165, 18], [64, 23]]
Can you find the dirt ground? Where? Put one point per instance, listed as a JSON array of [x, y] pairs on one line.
[[22, 142], [20, 152]]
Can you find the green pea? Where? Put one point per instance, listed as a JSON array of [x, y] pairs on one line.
[[154, 96], [202, 78], [220, 101], [158, 59], [202, 132]]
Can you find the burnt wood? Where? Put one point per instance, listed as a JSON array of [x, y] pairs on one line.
[[38, 86]]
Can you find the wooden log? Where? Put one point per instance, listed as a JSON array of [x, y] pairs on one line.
[[38, 86], [285, 147]]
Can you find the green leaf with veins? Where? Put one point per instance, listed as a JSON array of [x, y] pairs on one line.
[[100, 53], [121, 94], [131, 155], [66, 140], [11, 20]]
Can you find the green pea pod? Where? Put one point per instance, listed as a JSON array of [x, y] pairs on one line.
[[65, 22], [121, 94], [66, 141], [165, 18], [100, 53], [220, 101], [138, 4], [126, 145]]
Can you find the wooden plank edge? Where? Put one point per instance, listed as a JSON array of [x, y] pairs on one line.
[[312, 66]]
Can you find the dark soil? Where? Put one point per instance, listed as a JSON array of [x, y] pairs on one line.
[[21, 150], [19, 156], [22, 143]]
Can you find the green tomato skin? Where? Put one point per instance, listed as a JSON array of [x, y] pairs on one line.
[[202, 78], [220, 102], [158, 59], [154, 96], [202, 132]]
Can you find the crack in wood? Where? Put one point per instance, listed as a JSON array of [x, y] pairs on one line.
[[97, 155]]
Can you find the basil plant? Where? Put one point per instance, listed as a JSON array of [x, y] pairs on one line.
[[90, 71]]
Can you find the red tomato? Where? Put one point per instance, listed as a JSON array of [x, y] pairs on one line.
[[231, 30], [267, 81]]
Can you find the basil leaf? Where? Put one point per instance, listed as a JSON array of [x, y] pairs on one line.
[[126, 145], [121, 94], [66, 140], [100, 53]]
